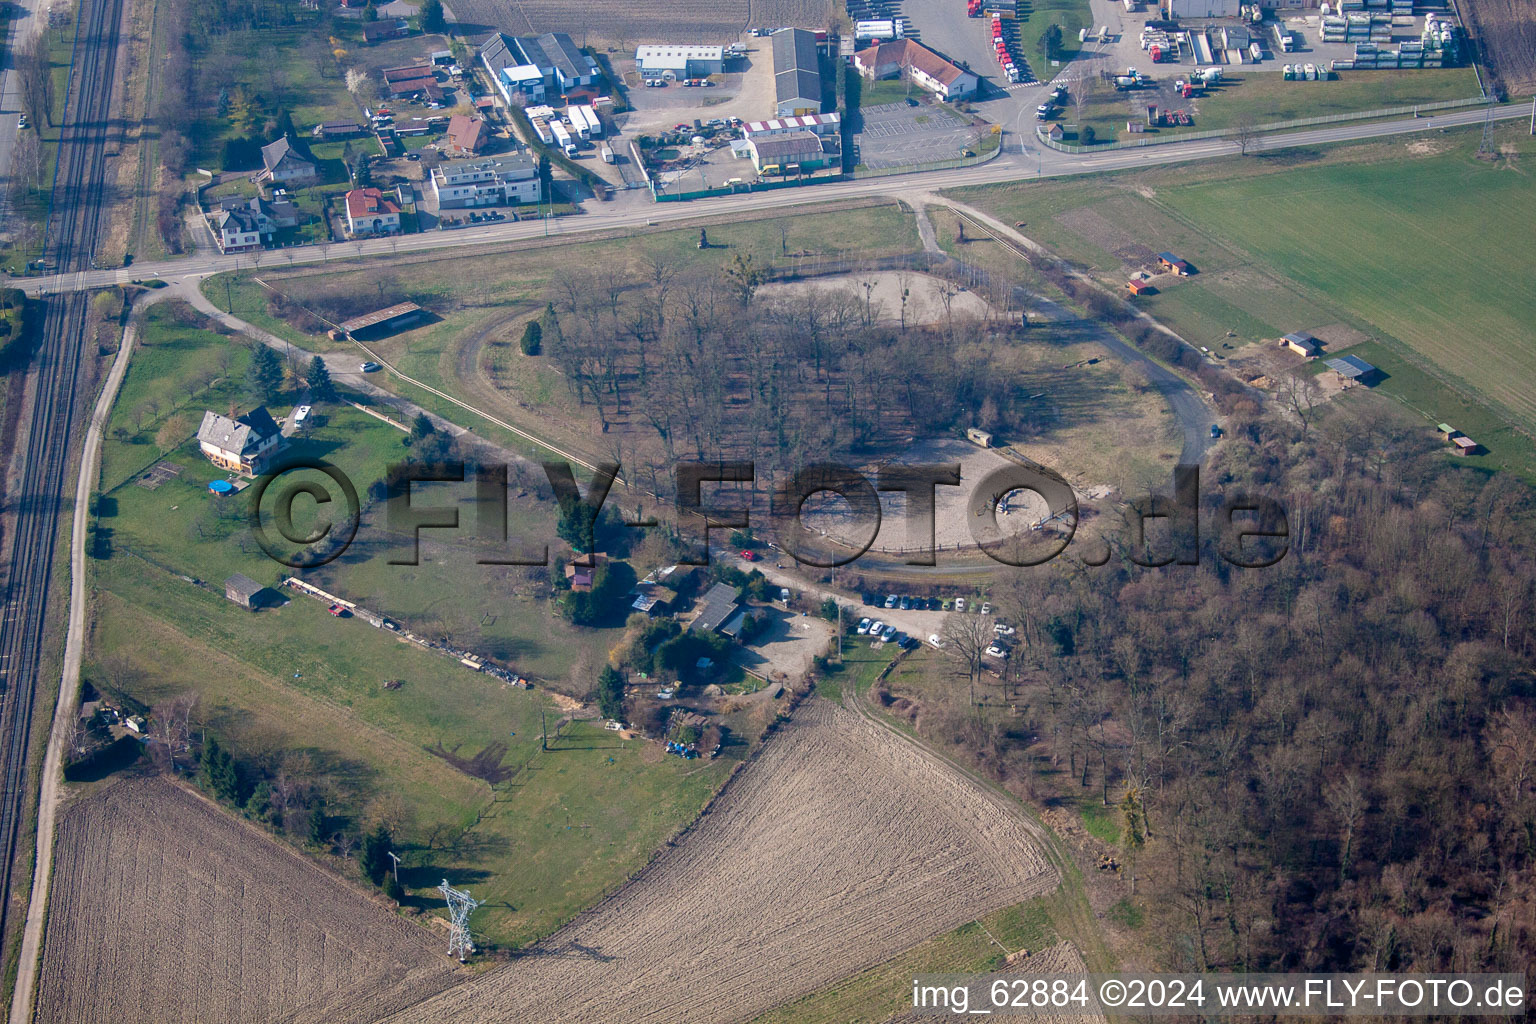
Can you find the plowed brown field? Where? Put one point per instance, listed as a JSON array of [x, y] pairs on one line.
[[839, 847], [165, 909], [1507, 28]]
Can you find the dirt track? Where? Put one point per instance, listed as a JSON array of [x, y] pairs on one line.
[[165, 909], [838, 848]]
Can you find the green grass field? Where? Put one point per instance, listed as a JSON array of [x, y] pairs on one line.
[[1265, 97], [294, 682], [1415, 242]]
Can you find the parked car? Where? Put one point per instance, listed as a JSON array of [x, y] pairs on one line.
[[875, 629], [935, 642], [413, 156], [890, 600], [784, 594], [986, 607], [959, 604], [906, 603], [946, 604], [863, 626], [1003, 629], [888, 634], [998, 651], [370, 367], [911, 102], [21, 123]]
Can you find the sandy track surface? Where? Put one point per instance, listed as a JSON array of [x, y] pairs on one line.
[[838, 848], [165, 909]]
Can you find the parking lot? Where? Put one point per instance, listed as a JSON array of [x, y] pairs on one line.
[[897, 135]]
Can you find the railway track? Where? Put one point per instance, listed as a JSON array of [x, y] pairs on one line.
[[73, 224]]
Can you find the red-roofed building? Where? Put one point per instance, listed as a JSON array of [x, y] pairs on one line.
[[912, 59], [371, 212], [465, 136]]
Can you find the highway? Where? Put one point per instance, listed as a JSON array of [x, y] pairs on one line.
[[41, 485], [634, 211]]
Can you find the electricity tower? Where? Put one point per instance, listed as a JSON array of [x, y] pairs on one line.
[[460, 905], [1487, 147]]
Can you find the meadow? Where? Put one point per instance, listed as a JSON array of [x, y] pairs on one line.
[[1418, 243]]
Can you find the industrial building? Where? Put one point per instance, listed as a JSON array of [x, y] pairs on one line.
[[536, 66], [1173, 10], [796, 73], [787, 154], [669, 63]]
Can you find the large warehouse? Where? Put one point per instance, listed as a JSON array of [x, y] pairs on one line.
[[669, 62], [796, 73]]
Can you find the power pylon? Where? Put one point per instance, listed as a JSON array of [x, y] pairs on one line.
[[460, 905], [1486, 147]]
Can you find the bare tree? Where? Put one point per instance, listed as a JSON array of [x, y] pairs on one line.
[[171, 728], [967, 638], [1300, 393], [1246, 134]]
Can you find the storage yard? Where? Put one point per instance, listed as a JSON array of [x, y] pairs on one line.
[[840, 846], [166, 908]]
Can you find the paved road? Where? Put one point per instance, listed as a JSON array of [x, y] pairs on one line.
[[28, 18], [634, 211]]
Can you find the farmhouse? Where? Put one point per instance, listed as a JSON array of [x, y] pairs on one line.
[[280, 161], [246, 223], [796, 72], [370, 213], [1302, 343], [1353, 368], [670, 62], [1171, 264], [786, 154], [920, 64], [718, 606], [513, 178], [465, 136], [244, 445]]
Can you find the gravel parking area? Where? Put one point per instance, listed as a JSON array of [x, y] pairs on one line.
[[896, 135]]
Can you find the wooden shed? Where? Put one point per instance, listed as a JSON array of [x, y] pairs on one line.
[[244, 591]]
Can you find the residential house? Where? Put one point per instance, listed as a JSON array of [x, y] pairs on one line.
[[716, 609], [670, 62], [245, 224], [510, 178], [1302, 343], [796, 73], [371, 212], [787, 154], [466, 135], [244, 444], [918, 63], [280, 161]]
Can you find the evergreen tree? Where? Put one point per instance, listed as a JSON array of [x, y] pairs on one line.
[[432, 19], [317, 823], [321, 387], [549, 326], [264, 379], [374, 860], [218, 773], [421, 427], [393, 889], [533, 338], [370, 13], [610, 693]]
